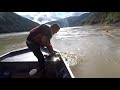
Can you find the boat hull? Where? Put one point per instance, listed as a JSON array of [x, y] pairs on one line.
[[12, 66]]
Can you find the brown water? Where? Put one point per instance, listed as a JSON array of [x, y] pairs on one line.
[[12, 41], [91, 52]]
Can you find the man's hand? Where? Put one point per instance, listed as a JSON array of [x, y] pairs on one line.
[[47, 43], [55, 51], [52, 54]]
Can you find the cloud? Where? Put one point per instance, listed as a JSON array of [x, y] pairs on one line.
[[29, 17], [43, 17], [76, 13], [46, 17]]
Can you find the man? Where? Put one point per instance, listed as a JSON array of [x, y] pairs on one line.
[[39, 37]]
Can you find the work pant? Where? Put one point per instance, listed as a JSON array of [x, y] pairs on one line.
[[35, 48]]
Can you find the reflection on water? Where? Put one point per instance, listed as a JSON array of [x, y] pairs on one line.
[[90, 51]]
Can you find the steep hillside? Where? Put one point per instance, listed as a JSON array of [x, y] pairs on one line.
[[71, 21], [91, 18], [103, 18], [11, 22]]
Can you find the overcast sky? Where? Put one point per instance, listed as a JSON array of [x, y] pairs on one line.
[[43, 17]]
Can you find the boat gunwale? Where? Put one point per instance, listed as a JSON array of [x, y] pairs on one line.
[[24, 50]]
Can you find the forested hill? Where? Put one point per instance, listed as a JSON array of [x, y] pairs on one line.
[[71, 21], [91, 18], [103, 18], [11, 22]]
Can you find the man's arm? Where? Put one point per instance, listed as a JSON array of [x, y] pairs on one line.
[[47, 43]]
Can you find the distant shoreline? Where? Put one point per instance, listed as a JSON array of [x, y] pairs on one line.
[[26, 32], [2, 35]]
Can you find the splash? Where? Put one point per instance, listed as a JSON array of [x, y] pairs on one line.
[[76, 57]]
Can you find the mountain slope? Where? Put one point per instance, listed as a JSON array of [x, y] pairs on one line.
[[103, 18], [71, 21], [89, 19], [11, 22]]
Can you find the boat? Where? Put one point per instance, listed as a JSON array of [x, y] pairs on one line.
[[19, 63]]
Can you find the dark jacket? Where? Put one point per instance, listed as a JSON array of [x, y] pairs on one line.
[[39, 31]]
